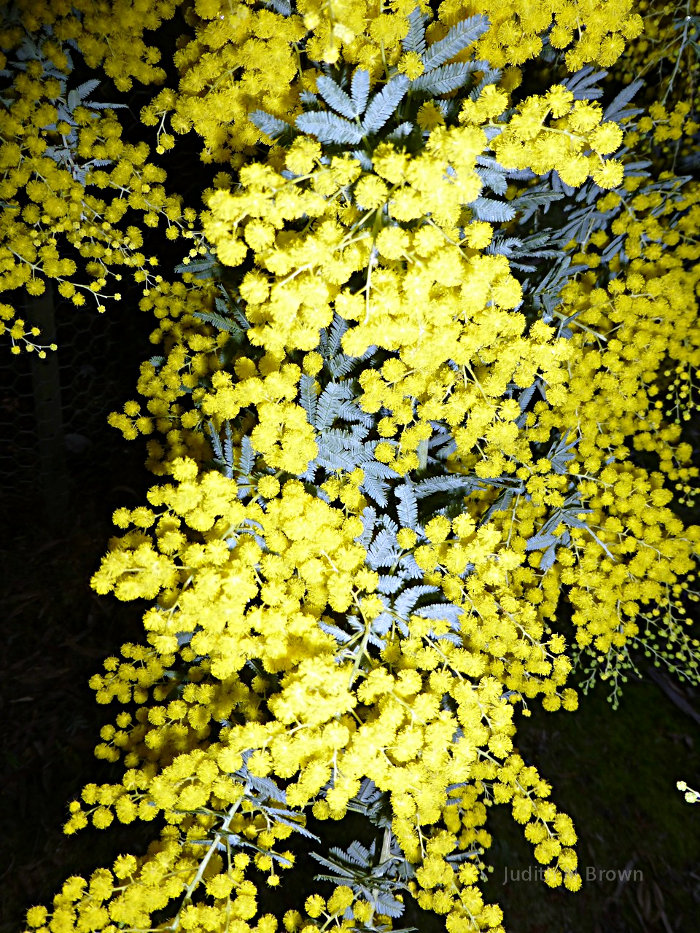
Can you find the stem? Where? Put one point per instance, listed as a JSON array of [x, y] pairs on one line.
[[205, 861]]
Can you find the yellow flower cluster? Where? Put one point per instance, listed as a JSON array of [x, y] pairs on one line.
[[49, 164], [573, 144], [245, 55], [642, 327], [464, 388], [210, 505], [326, 716], [282, 434], [110, 37], [591, 31], [133, 890], [288, 311], [282, 667], [239, 56]]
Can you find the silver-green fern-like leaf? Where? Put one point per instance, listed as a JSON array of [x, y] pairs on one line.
[[560, 453], [220, 322], [383, 551], [407, 505], [406, 602], [283, 7], [447, 78], [329, 128], [78, 94], [364, 160], [583, 84], [329, 402], [383, 105], [268, 124], [491, 210], [460, 36], [401, 132], [376, 883], [415, 40], [246, 460], [223, 453], [359, 90], [449, 483], [336, 97], [494, 180], [308, 396], [374, 484], [618, 105]]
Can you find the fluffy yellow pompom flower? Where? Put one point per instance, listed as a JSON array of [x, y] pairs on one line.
[[392, 242], [491, 103], [606, 138], [268, 486], [609, 174], [184, 469], [370, 192], [302, 155]]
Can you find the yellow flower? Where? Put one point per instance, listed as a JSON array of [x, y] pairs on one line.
[[230, 251], [389, 163], [406, 538], [478, 234], [314, 905], [370, 192], [124, 866], [392, 242], [36, 916], [268, 486], [437, 529], [384, 452], [302, 155], [491, 103], [559, 98], [341, 898], [606, 138], [184, 469], [609, 174], [429, 116], [411, 65]]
